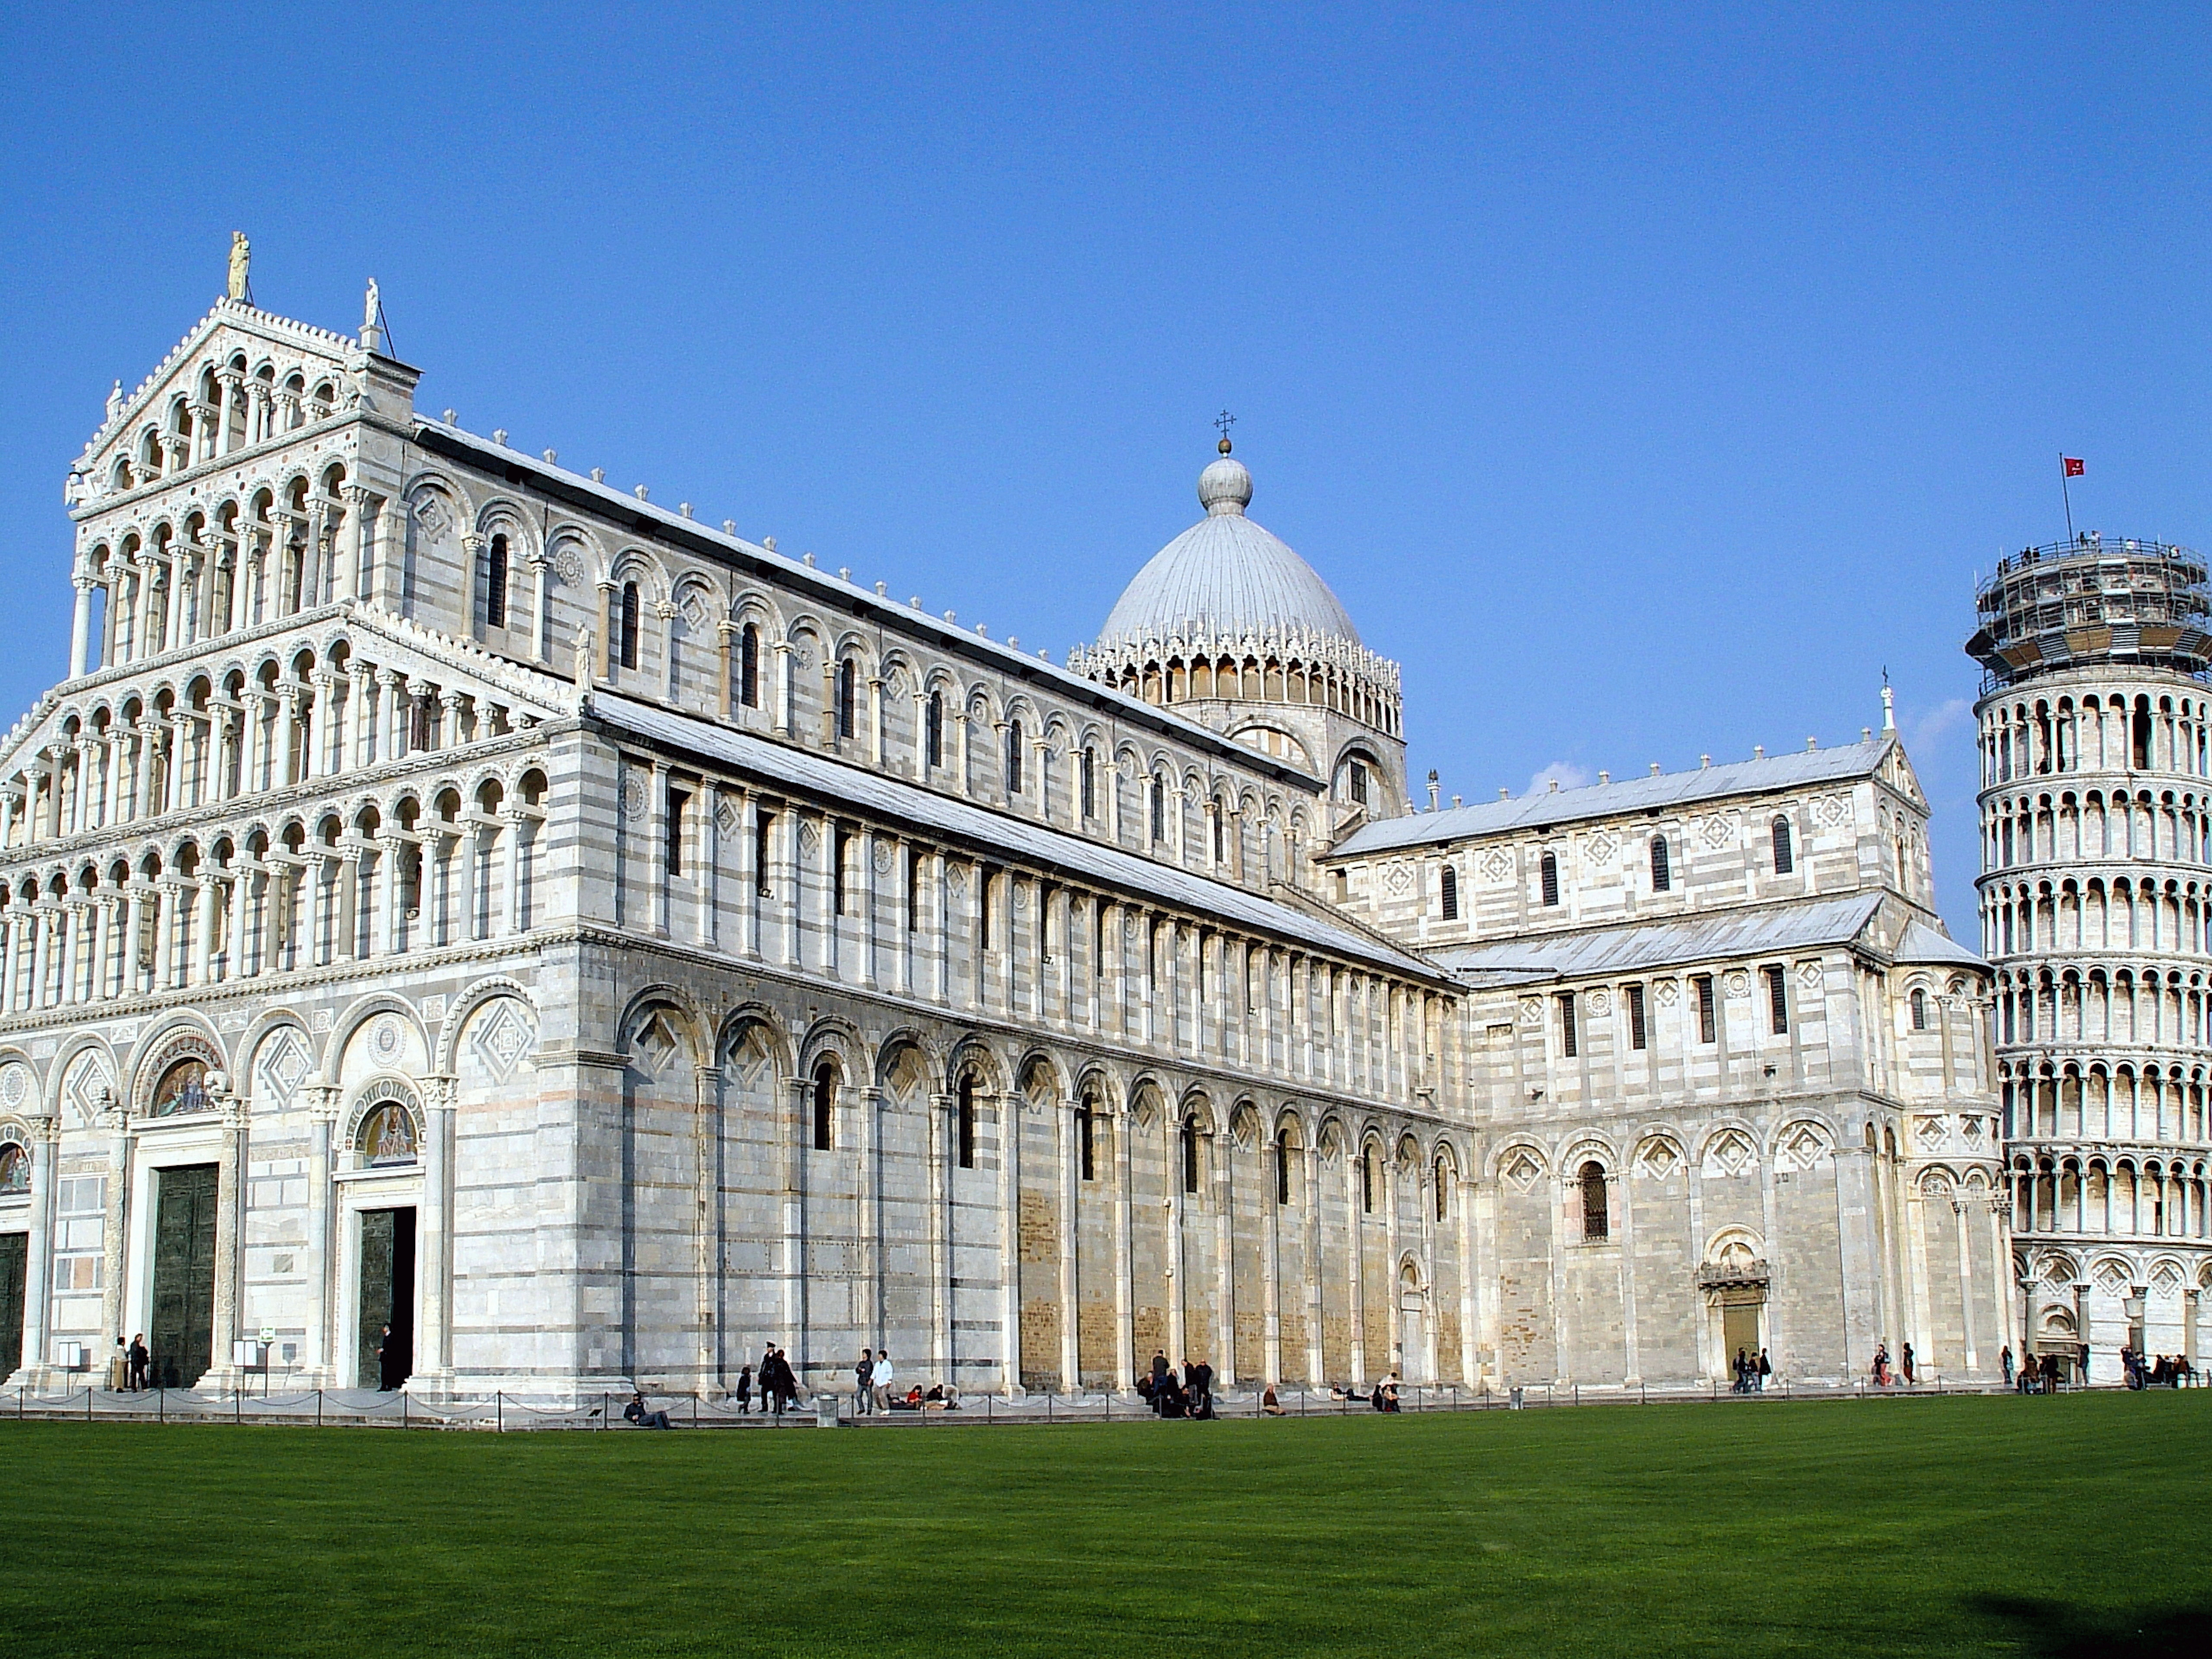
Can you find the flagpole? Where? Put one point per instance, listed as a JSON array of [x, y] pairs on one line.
[[2067, 496]]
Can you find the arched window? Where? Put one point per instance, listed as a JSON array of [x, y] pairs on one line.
[[1090, 783], [1448, 892], [1282, 1168], [627, 655], [1550, 870], [966, 1125], [1220, 833], [848, 695], [1159, 810], [14, 1169], [495, 583], [1784, 861], [1190, 1154], [825, 1106], [749, 665], [1597, 1223], [1086, 1141], [1443, 1173], [1919, 1009], [1367, 1180], [1663, 867], [1014, 757]]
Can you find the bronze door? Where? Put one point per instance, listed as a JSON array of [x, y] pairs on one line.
[[387, 1298], [15, 1256], [182, 1329]]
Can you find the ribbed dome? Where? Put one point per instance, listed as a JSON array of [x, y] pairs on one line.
[[1226, 575]]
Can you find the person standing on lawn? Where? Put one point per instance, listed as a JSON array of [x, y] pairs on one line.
[[864, 1377], [884, 1376]]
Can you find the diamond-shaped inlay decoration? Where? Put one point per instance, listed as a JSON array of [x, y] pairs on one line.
[[2112, 1278], [1667, 991], [1522, 1171], [1657, 1160], [1602, 848], [89, 1079], [1831, 809], [502, 1036], [1497, 865], [1809, 975], [1804, 1147], [281, 1066], [1397, 880], [1730, 1153], [1931, 1132], [726, 818], [1717, 832]]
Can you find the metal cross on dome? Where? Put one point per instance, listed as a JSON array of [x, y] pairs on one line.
[[1222, 421]]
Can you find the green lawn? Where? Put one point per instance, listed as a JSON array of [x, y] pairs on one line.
[[1895, 1527]]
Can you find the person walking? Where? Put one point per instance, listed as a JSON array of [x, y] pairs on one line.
[[766, 1376], [1908, 1365], [1765, 1369], [139, 1361], [884, 1376], [1881, 1364], [745, 1394], [863, 1380], [2004, 1364]]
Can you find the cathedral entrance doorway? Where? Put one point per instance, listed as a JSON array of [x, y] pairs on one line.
[[1413, 1328], [387, 1302], [181, 1329], [15, 1257], [1739, 1322]]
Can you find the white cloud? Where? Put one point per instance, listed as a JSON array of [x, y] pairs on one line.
[[1566, 772], [1927, 731]]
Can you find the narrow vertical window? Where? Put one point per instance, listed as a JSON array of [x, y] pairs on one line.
[[677, 802], [1086, 1142], [1367, 1180], [1784, 859], [763, 852], [1442, 1176], [1596, 1221], [1919, 1010], [840, 855], [825, 1104], [1662, 867], [495, 583], [1549, 871], [1359, 782], [1447, 893], [1090, 783], [1639, 1034], [1014, 758], [933, 730], [965, 1126], [983, 874], [1220, 830], [1190, 1154], [1282, 1168], [1159, 811], [1569, 1044], [749, 665], [1777, 1000], [628, 644], [1708, 1030], [913, 890], [848, 695]]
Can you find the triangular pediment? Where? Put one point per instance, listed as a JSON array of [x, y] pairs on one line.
[[1896, 771], [284, 354]]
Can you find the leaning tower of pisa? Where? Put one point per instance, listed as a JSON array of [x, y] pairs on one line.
[[2096, 903]]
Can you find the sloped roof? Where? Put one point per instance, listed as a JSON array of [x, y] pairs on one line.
[[1715, 937], [1847, 762], [1923, 944], [1019, 840]]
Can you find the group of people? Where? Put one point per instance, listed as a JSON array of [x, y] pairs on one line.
[[2038, 1373], [2165, 1370], [1884, 1376], [777, 1384], [1751, 1373], [872, 1379], [1190, 1395]]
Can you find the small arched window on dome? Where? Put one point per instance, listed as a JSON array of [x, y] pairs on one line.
[[1447, 893], [1784, 857], [848, 695], [1597, 1224], [1159, 810], [749, 665], [1549, 874], [1662, 866], [933, 730], [825, 1105], [1013, 758], [495, 592], [1919, 1009], [1090, 783], [627, 644]]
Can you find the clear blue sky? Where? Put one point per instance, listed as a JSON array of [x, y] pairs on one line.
[[1644, 383]]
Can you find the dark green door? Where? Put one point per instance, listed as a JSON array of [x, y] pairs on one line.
[[183, 1333], [15, 1255], [387, 1349]]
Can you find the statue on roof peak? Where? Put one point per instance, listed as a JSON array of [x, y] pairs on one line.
[[241, 256]]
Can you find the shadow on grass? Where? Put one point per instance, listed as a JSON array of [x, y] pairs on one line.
[[2053, 1630]]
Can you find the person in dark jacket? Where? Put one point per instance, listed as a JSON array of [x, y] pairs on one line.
[[636, 1413], [744, 1391], [138, 1361]]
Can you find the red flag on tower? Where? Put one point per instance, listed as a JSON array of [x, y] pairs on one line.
[[2074, 467]]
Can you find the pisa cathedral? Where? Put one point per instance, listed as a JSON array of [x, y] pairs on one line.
[[451, 894]]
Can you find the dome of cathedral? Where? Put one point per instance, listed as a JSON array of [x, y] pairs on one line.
[[1225, 576]]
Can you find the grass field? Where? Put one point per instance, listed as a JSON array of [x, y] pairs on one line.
[[2070, 1526]]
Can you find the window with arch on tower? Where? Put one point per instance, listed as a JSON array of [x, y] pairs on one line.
[[932, 733], [847, 696], [1597, 1222], [1548, 876], [1784, 859], [1662, 866], [749, 665], [964, 1123], [825, 1106], [1190, 1154], [1090, 783], [494, 606], [1919, 1004], [1013, 757], [1447, 893]]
